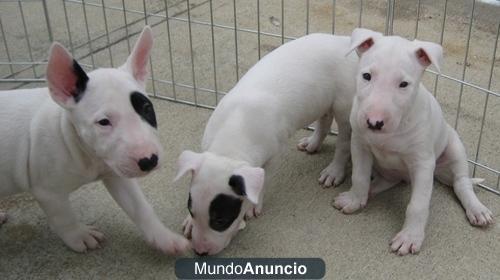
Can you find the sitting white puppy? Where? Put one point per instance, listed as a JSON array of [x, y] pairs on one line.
[[81, 129], [399, 134], [302, 81]]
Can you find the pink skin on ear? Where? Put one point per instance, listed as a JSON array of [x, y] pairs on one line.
[[61, 77], [137, 63], [254, 181], [188, 161]]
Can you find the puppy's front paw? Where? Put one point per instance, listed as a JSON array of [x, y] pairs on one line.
[[309, 144], [83, 238], [349, 202], [168, 242], [407, 241], [479, 215], [187, 226], [253, 212], [3, 218], [332, 175]]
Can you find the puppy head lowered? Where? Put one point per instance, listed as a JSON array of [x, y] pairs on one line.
[[109, 108], [389, 74], [221, 192]]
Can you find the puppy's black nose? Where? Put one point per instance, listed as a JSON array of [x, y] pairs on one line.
[[200, 254], [377, 126], [147, 164]]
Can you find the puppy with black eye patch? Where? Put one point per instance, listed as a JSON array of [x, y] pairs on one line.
[[89, 127], [306, 80]]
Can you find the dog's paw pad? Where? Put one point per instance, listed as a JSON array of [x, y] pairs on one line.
[[84, 238], [479, 215], [331, 176], [406, 242], [348, 202], [309, 144]]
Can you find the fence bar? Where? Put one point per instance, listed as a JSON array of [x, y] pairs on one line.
[[26, 36], [172, 73], [466, 59], [6, 47], [88, 33], [192, 53], [236, 41], [490, 79], [150, 60], [334, 11], [214, 61], [47, 21], [107, 33], [258, 28], [443, 24], [307, 17]]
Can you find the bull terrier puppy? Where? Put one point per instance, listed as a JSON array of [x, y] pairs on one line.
[[302, 81], [399, 134], [84, 128]]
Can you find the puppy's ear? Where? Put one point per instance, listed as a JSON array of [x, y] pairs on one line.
[[248, 181], [428, 53], [363, 39], [188, 161], [137, 62], [65, 78]]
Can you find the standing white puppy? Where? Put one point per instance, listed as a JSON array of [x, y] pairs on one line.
[[81, 129], [302, 81], [399, 132]]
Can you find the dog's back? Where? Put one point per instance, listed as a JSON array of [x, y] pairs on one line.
[[298, 82], [17, 109]]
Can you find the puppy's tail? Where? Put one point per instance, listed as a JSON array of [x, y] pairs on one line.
[[476, 181]]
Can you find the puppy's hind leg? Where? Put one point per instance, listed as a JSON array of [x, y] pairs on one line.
[[456, 160], [380, 184], [322, 126], [334, 173]]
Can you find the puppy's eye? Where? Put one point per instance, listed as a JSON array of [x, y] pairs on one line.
[[104, 122], [403, 84], [367, 76]]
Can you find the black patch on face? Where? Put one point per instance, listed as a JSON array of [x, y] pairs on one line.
[[190, 205], [224, 209], [81, 81], [237, 184], [143, 107]]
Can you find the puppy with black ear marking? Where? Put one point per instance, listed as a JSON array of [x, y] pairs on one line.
[[84, 128], [302, 81]]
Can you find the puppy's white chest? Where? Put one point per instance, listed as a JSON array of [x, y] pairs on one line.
[[389, 161]]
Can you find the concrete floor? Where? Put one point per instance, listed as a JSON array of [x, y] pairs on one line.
[[298, 220]]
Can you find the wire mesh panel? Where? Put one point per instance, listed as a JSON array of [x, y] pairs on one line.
[[203, 47]]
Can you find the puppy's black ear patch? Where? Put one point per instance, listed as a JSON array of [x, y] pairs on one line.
[[223, 210], [143, 107], [237, 184], [81, 81]]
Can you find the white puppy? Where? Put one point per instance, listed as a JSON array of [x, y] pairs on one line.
[[399, 132], [302, 81], [81, 129]]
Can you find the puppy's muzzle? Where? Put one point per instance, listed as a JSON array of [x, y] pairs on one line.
[[148, 164], [375, 125]]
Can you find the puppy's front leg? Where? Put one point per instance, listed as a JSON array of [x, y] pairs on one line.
[[410, 238], [356, 198], [128, 195], [63, 222]]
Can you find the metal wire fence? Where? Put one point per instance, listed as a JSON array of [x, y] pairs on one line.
[[203, 47]]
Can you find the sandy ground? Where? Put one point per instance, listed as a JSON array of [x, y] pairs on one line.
[[298, 219]]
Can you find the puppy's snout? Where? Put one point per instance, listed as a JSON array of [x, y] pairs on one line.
[[375, 124], [200, 254], [147, 164]]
